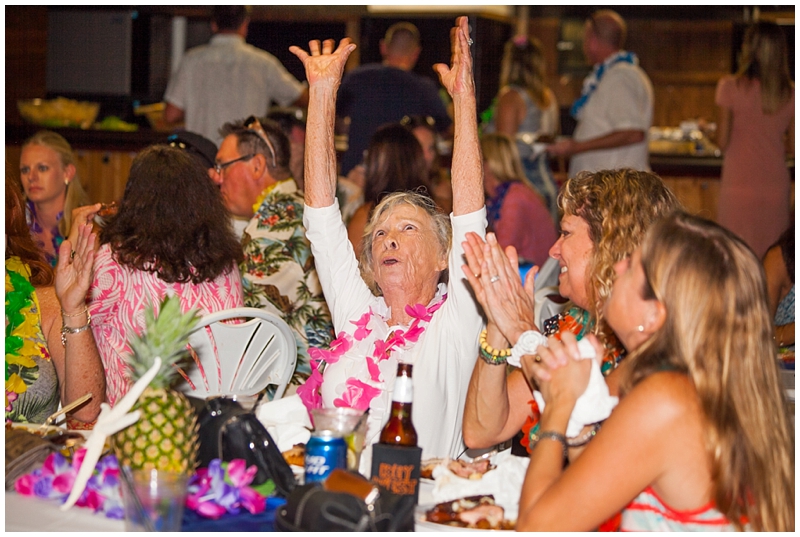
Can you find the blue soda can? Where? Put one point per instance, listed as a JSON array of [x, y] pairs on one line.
[[325, 451]]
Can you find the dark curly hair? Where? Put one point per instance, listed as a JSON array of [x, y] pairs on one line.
[[172, 220], [18, 236], [394, 163]]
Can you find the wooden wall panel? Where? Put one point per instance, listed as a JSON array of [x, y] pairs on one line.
[[104, 174], [684, 60], [699, 195], [26, 56]]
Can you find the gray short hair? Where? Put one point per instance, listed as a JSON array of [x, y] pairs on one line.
[[441, 227]]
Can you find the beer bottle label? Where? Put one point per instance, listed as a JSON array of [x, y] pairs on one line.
[[403, 389]]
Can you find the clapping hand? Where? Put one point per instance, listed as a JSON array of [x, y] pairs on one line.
[[457, 78], [557, 369], [324, 67], [75, 269], [494, 276]]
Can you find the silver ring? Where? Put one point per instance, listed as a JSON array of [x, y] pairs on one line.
[[470, 41], [494, 279]]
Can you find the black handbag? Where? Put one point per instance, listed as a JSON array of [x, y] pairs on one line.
[[313, 508], [228, 432]]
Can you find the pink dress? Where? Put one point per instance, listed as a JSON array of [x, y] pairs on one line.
[[119, 296], [755, 190], [526, 224]]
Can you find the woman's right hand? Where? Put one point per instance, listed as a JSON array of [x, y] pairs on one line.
[[505, 301], [327, 66], [560, 374]]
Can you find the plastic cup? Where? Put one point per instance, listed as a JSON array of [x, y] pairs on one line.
[[343, 421], [154, 500]]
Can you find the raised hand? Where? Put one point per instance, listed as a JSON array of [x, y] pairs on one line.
[[327, 66], [494, 276], [74, 272], [457, 79]]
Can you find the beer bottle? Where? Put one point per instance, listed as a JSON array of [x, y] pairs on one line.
[[399, 431]]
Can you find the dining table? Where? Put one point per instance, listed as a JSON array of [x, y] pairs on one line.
[[28, 513]]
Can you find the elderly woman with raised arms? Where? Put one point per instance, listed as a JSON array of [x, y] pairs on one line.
[[395, 304]]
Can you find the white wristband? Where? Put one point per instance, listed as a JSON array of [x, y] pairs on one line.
[[527, 343]]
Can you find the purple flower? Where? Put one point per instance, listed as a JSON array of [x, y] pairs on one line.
[[224, 488]]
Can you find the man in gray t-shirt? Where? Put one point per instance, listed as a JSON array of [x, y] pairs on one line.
[[228, 79]]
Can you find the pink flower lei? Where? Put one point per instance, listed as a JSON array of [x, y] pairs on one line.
[[359, 394]]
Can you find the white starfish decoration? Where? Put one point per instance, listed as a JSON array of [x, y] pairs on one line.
[[110, 421]]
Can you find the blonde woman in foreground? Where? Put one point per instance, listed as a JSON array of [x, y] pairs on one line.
[[701, 439]]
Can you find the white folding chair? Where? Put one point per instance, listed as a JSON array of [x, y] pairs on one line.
[[239, 358]]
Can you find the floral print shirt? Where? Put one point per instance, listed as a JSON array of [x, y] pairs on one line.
[[36, 233], [31, 380], [278, 271]]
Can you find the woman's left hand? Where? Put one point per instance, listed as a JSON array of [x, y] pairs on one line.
[[561, 374], [75, 269], [457, 78]]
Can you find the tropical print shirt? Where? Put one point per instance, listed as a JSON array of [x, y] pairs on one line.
[[278, 272]]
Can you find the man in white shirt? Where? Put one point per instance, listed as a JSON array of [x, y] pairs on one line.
[[228, 79], [615, 109]]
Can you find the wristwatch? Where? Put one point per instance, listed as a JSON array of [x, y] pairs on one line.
[[527, 343]]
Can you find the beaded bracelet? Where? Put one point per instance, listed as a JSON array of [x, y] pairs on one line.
[[535, 437], [582, 440], [67, 330], [491, 355]]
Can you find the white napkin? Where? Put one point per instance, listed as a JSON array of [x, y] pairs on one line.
[[504, 483], [286, 420], [595, 404]]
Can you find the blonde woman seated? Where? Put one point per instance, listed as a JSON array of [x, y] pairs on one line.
[[701, 438], [517, 214]]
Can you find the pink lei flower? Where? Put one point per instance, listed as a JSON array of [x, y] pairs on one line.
[[55, 478], [357, 395]]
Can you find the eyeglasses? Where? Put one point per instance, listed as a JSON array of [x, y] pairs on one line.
[[219, 166], [252, 123]]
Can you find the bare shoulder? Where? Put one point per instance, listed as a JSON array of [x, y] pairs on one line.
[[665, 397]]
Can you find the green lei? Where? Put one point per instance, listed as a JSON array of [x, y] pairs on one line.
[[21, 370]]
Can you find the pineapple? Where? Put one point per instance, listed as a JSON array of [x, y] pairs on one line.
[[165, 437]]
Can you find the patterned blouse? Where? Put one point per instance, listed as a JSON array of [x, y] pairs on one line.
[[31, 380], [119, 296], [36, 233]]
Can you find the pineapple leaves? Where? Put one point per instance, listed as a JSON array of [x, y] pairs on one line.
[[165, 336]]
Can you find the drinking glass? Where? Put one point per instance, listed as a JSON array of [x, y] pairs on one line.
[[153, 499]]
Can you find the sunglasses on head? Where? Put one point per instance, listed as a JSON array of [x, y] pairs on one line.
[[252, 123]]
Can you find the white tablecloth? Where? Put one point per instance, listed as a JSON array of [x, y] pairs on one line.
[[26, 513]]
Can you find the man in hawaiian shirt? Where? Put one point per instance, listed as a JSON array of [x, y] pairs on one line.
[[278, 273]]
